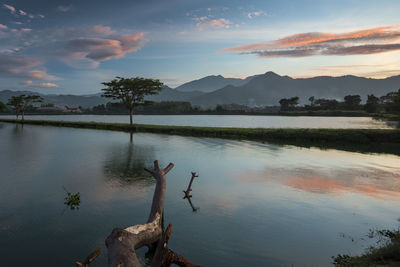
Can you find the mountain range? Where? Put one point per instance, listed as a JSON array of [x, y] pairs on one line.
[[258, 90]]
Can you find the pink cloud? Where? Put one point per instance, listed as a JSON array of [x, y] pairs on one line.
[[215, 23], [3, 27], [22, 13], [99, 49], [22, 66], [48, 85], [256, 14], [40, 75], [369, 41], [26, 30], [28, 82], [11, 8], [41, 16], [103, 30]]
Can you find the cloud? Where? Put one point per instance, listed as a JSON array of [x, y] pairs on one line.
[[362, 42], [256, 14], [215, 23], [10, 8], [101, 49], [48, 85], [64, 8], [334, 182], [40, 75], [3, 27], [41, 16], [103, 30], [22, 13], [21, 66], [28, 82], [26, 30]]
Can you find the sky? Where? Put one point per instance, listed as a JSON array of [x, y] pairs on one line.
[[70, 47]]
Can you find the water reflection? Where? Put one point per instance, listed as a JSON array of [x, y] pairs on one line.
[[370, 182], [189, 199], [126, 165]]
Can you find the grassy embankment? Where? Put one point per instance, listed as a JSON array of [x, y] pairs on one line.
[[362, 140]]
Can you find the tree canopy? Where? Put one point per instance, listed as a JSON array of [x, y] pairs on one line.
[[289, 103], [131, 91], [21, 102]]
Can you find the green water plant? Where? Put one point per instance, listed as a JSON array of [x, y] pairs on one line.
[[73, 201]]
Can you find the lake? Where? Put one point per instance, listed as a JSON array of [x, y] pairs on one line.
[[240, 121], [258, 204]]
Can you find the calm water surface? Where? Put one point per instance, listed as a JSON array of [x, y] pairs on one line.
[[259, 204], [240, 121]]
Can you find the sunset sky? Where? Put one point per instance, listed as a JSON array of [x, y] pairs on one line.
[[72, 46]]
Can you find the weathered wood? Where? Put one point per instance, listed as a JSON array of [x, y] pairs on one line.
[[122, 243], [189, 189], [164, 257], [89, 259]]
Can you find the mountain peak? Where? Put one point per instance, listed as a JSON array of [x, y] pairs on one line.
[[271, 74]]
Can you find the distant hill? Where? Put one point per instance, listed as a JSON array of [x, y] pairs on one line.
[[259, 90], [210, 83], [269, 88], [59, 100], [168, 94]]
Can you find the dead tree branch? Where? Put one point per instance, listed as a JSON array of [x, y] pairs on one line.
[[122, 243], [92, 256], [164, 257], [189, 189]]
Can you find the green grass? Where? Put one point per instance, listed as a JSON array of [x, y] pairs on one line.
[[362, 140]]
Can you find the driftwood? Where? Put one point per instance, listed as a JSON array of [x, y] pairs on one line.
[[189, 189], [92, 256], [165, 256], [122, 243]]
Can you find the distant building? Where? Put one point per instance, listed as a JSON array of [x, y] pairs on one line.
[[72, 110]]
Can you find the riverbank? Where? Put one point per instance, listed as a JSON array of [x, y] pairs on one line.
[[360, 140]]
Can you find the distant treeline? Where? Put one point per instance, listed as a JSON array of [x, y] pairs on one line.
[[389, 103], [351, 105]]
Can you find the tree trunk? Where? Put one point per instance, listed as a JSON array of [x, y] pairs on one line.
[[23, 113], [131, 116], [121, 243]]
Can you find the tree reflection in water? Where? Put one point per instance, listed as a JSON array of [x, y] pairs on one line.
[[125, 165]]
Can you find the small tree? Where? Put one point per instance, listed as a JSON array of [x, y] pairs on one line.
[[391, 102], [131, 91], [312, 101], [289, 103], [21, 102], [3, 107], [372, 104], [352, 101]]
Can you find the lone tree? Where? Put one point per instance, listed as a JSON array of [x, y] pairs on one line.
[[131, 91], [21, 102]]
